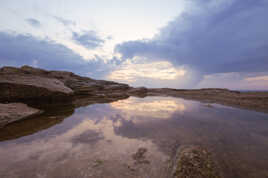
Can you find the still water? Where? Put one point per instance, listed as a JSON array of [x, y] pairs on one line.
[[101, 140]]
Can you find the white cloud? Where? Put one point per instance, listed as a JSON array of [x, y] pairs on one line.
[[35, 63], [258, 78], [133, 69]]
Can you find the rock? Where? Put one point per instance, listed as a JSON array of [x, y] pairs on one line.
[[194, 162], [257, 101], [139, 92], [30, 84], [139, 156], [50, 84], [87, 86], [15, 111], [53, 116], [18, 88], [32, 70], [41, 88], [80, 85], [34, 86]]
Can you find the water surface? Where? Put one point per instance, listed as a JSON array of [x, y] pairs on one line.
[[101, 140]]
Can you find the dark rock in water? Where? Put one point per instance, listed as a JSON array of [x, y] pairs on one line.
[[15, 111], [194, 162], [139, 156]]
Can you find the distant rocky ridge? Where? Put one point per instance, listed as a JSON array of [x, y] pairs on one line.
[[257, 101], [41, 88]]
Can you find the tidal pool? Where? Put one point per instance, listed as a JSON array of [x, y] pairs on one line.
[[135, 137]]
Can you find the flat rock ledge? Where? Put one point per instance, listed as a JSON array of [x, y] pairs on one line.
[[15, 111], [194, 162], [27, 84]]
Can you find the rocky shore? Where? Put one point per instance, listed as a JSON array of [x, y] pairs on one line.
[[26, 92], [257, 101], [40, 88]]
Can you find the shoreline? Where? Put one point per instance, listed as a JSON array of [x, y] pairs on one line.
[[255, 101], [26, 92], [40, 88]]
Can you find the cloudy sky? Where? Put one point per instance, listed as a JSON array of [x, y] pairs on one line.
[[153, 43]]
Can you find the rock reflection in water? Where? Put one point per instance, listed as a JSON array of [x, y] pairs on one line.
[[88, 148], [136, 137], [35, 124]]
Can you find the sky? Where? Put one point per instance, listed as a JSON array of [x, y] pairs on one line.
[[152, 43]]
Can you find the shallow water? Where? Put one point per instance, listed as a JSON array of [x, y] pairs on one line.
[[101, 140]]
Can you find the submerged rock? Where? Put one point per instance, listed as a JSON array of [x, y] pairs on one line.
[[139, 156], [194, 162], [15, 111]]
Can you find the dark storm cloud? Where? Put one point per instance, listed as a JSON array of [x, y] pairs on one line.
[[88, 39], [18, 50], [33, 22], [228, 36]]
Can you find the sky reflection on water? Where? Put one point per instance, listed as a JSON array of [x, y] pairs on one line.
[[99, 140]]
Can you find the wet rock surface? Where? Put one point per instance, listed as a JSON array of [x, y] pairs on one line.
[[194, 162], [15, 111], [140, 156]]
